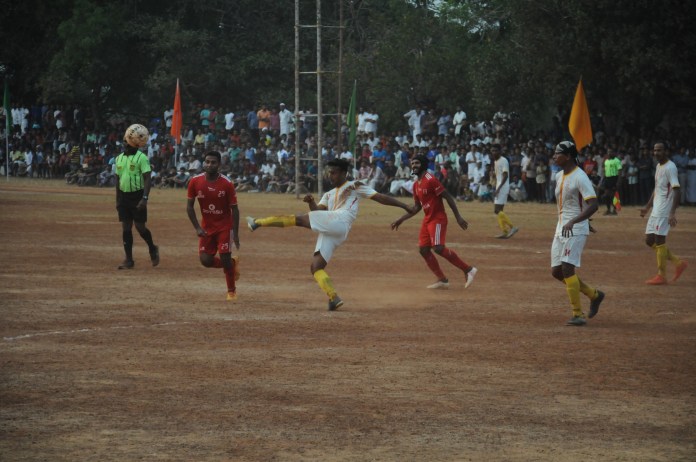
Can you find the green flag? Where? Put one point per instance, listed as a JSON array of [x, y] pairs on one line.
[[8, 109], [352, 124]]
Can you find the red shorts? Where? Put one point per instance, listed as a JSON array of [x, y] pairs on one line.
[[218, 242], [432, 233]]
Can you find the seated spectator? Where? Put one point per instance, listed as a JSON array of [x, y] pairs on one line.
[[484, 190], [166, 179], [517, 191], [402, 176], [106, 177], [181, 179]]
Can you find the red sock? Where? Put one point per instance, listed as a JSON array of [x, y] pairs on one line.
[[434, 266], [229, 277], [217, 263], [452, 257]]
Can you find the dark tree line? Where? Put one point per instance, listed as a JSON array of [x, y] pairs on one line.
[[123, 57]]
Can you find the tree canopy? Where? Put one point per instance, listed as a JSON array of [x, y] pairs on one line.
[[527, 56]]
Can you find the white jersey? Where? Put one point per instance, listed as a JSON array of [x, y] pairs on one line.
[[666, 179], [502, 166], [344, 200], [572, 192]]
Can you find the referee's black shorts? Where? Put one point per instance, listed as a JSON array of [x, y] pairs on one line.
[[610, 182], [128, 207]]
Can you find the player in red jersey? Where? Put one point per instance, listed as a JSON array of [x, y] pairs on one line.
[[428, 194], [217, 199]]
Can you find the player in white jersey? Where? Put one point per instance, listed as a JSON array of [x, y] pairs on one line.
[[502, 189], [664, 202], [332, 218], [577, 202]]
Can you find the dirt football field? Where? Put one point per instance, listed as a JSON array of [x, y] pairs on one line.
[[152, 364]]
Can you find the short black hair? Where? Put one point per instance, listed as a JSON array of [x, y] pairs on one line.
[[341, 164], [215, 154]]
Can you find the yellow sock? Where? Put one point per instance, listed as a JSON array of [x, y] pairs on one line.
[[671, 257], [282, 221], [324, 282], [661, 251], [501, 222], [506, 220], [573, 288], [587, 290]]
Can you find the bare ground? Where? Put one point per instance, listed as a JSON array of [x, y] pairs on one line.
[[153, 364]]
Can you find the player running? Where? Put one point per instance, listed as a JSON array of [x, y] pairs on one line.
[[428, 194], [217, 199], [332, 218]]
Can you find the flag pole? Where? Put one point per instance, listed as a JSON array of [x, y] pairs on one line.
[[8, 124]]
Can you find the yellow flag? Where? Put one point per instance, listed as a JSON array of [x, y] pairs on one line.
[[579, 123]]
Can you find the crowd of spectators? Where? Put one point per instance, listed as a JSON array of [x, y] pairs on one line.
[[258, 151]]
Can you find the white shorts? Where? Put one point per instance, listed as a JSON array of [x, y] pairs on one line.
[[332, 229], [657, 225], [567, 250], [502, 197]]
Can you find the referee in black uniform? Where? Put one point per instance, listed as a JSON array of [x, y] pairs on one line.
[[132, 191]]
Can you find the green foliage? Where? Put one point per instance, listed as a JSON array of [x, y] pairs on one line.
[[517, 55]]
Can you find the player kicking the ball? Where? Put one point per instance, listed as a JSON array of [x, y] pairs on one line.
[[428, 194], [217, 199], [577, 202], [332, 218]]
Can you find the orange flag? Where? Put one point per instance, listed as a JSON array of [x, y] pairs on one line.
[[176, 118], [579, 123]]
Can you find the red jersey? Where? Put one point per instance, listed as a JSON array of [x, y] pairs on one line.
[[427, 190], [215, 199]]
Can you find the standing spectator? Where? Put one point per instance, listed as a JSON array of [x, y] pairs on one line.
[[217, 199], [428, 194], [529, 171], [541, 170], [332, 219], [459, 121], [168, 115], [632, 180], [577, 202], [253, 125], [444, 123], [371, 122], [264, 118], [229, 120], [645, 174], [287, 120], [132, 193], [502, 190], [204, 116], [663, 202]]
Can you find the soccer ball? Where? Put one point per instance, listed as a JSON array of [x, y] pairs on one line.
[[136, 136]]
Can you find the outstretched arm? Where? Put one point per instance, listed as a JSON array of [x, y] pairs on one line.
[[388, 200], [455, 210]]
